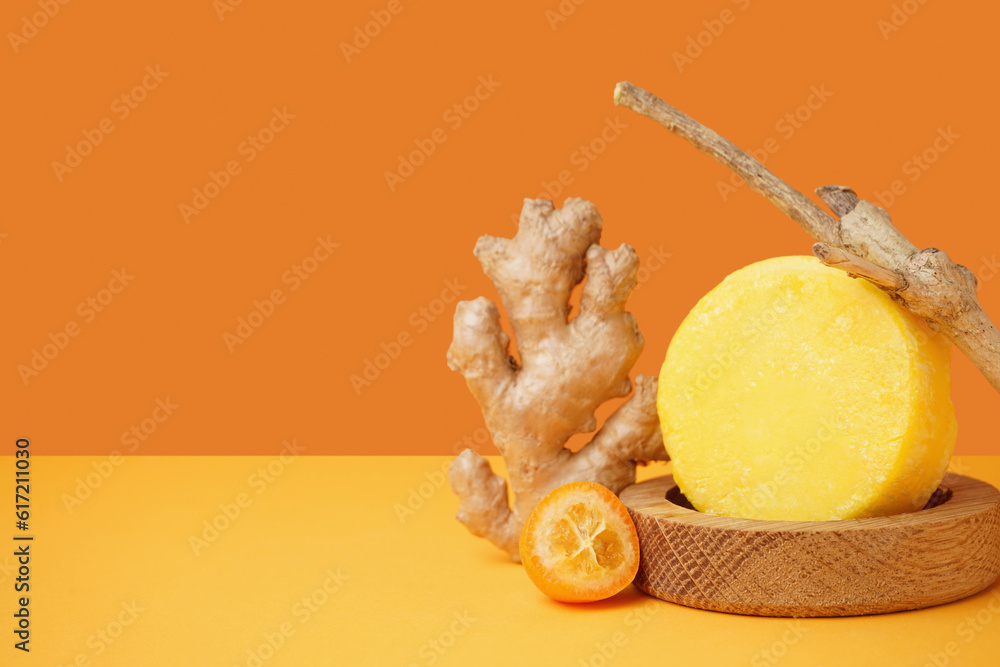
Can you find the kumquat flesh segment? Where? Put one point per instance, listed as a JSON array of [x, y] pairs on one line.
[[579, 544]]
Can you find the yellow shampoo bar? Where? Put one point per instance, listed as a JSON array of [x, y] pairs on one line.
[[795, 392]]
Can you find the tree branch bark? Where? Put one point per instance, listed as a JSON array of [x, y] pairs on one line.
[[863, 241]]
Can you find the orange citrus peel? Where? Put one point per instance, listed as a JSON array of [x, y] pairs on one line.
[[579, 544]]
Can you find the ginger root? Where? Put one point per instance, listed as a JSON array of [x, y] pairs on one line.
[[567, 369]]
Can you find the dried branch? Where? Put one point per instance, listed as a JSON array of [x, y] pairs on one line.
[[888, 280], [862, 242]]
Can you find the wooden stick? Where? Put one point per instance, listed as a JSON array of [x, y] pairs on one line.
[[862, 242], [841, 259]]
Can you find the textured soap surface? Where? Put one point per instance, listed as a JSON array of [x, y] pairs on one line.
[[795, 392]]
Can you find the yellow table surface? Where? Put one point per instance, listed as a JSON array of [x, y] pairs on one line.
[[359, 561]]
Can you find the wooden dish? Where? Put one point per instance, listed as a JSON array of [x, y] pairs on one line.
[[945, 552]]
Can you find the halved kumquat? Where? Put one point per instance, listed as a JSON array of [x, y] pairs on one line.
[[579, 544]]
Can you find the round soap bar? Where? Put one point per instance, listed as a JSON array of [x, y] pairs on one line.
[[795, 392]]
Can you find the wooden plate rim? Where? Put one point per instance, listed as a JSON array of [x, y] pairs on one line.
[[969, 497]]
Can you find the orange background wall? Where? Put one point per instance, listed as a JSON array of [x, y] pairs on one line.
[[323, 175]]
